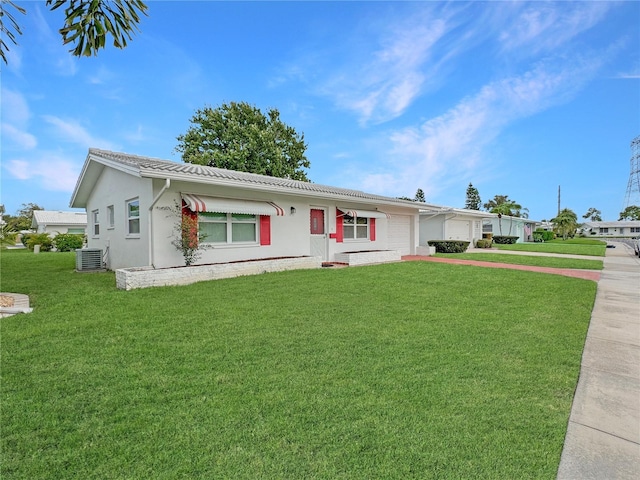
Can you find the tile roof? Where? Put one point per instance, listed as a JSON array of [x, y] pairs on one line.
[[52, 217], [154, 167]]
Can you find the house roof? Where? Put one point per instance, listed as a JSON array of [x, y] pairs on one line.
[[615, 224], [52, 217], [147, 167]]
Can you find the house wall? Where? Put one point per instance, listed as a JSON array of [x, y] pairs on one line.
[[517, 228], [54, 230], [431, 228], [290, 234], [450, 227], [116, 188]]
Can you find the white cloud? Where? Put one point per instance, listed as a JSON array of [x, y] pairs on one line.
[[452, 144], [544, 26], [72, 131], [48, 171], [18, 137]]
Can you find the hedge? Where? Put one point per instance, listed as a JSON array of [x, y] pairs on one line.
[[68, 242], [505, 239], [449, 246]]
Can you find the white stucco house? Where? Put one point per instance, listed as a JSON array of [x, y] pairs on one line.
[[55, 222], [522, 228], [447, 223], [621, 228], [129, 198]]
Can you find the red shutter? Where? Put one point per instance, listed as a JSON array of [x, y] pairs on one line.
[[372, 229], [339, 229], [265, 230], [189, 227]]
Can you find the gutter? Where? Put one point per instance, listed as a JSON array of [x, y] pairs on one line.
[[167, 184]]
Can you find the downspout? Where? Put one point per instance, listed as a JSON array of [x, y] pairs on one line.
[[167, 184]]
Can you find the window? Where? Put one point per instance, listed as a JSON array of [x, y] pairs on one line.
[[604, 230], [76, 231], [228, 227], [95, 223], [635, 229], [110, 217], [355, 228], [133, 217]]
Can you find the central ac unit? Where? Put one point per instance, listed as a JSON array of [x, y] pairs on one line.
[[88, 259]]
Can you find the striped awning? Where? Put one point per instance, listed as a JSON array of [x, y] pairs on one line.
[[200, 203], [352, 212]]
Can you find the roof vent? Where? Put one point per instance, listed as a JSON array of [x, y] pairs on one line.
[[88, 259]]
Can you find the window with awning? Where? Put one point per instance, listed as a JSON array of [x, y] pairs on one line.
[[201, 203]]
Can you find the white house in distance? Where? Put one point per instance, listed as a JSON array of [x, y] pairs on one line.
[[55, 222], [522, 228], [447, 223], [129, 201], [621, 228]]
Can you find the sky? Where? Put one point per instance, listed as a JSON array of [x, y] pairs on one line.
[[517, 98]]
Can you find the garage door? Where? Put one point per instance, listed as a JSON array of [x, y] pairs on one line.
[[400, 233], [458, 230]]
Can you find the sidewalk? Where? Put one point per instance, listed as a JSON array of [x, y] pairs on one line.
[[603, 435]]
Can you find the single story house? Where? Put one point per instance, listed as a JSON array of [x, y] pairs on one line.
[[446, 223], [621, 228], [506, 225], [55, 222], [133, 205]]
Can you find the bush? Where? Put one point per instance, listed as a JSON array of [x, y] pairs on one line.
[[449, 246], [68, 242], [42, 239], [505, 239], [484, 243]]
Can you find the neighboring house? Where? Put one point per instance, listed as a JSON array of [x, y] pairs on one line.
[[522, 228], [445, 223], [54, 222], [129, 199], [622, 228]]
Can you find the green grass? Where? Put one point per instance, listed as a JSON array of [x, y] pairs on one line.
[[407, 370], [554, 262], [559, 246]]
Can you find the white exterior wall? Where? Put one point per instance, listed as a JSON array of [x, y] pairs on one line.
[[54, 230], [450, 227], [517, 228], [116, 188], [431, 228]]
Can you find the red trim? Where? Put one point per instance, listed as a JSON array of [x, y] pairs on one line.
[[265, 230], [372, 229], [339, 228]]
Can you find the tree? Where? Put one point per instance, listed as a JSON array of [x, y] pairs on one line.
[[87, 23], [632, 212], [473, 198], [566, 223], [593, 214], [238, 136], [502, 205], [23, 218], [419, 196]]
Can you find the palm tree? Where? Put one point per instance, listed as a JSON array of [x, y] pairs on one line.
[[507, 207], [565, 223]]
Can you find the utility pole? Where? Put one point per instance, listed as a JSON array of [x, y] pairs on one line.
[[558, 199]]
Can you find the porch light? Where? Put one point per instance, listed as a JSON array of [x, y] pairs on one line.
[[293, 210]]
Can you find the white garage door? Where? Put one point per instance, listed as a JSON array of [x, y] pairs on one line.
[[458, 230], [400, 233]]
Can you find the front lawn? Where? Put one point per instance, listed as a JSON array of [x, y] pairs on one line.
[[406, 370], [558, 246], [554, 262]]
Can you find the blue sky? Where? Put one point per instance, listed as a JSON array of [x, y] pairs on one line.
[[517, 98]]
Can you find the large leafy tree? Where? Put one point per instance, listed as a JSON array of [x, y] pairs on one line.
[[238, 136], [472, 201], [86, 26], [566, 223], [593, 214], [632, 212], [23, 218]]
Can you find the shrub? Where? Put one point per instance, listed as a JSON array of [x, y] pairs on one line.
[[484, 243], [68, 242], [449, 246], [544, 234], [505, 239], [42, 239]]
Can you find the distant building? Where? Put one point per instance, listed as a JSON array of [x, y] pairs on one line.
[[622, 228], [55, 222]]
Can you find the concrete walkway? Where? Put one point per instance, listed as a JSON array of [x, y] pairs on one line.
[[603, 435]]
